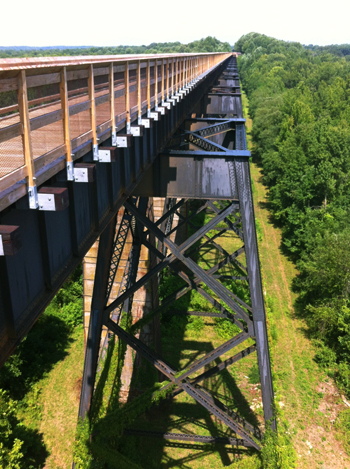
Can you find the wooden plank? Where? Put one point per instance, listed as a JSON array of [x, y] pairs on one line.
[[11, 195], [8, 84], [47, 119], [7, 109], [77, 74], [7, 133], [82, 139], [119, 68], [26, 136], [80, 107], [49, 157], [103, 127], [102, 99], [40, 80], [101, 71], [12, 178], [50, 170]]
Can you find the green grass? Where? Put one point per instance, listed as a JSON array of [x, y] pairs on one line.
[[52, 405]]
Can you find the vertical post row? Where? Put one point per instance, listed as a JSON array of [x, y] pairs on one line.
[[176, 75], [127, 97], [155, 68], [91, 88], [112, 106], [139, 101], [162, 82], [148, 79], [167, 79], [172, 77], [26, 139], [65, 122]]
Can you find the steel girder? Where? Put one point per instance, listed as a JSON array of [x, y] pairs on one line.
[[214, 134]]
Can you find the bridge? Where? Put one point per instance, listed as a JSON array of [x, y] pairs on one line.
[[88, 147]]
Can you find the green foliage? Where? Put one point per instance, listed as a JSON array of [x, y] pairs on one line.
[[277, 451], [343, 424], [225, 328], [299, 102], [253, 374], [20, 447], [195, 324], [10, 446], [47, 343], [82, 453], [259, 231]]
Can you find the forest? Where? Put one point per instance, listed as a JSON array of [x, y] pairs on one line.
[[300, 105], [208, 44]]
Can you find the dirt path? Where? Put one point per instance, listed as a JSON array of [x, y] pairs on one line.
[[308, 398]]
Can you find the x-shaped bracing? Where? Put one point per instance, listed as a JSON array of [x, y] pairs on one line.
[[182, 379]]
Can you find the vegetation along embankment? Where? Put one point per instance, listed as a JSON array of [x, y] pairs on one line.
[[299, 100]]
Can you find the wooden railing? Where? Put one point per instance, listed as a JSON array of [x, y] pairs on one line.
[[53, 109]]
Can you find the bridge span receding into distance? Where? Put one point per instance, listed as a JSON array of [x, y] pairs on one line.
[[82, 138]]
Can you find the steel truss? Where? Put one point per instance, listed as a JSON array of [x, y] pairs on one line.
[[237, 216]]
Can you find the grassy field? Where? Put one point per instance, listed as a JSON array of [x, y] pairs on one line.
[[56, 402]]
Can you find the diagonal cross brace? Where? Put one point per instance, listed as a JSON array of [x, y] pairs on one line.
[[182, 291], [167, 370], [214, 354], [212, 283], [171, 258]]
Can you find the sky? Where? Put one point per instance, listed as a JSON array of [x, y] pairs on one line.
[[113, 23]]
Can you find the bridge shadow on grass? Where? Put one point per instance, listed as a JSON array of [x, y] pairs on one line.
[[182, 414], [183, 341]]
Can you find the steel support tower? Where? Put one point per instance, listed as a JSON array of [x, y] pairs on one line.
[[206, 160]]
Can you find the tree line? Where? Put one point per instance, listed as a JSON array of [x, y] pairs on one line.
[[208, 44], [300, 106]]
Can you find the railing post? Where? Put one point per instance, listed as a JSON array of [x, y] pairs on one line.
[[127, 97], [162, 82], [181, 73], [155, 85], [148, 79], [112, 106], [26, 139], [167, 79], [66, 125], [172, 77], [176, 75], [91, 88], [139, 101]]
